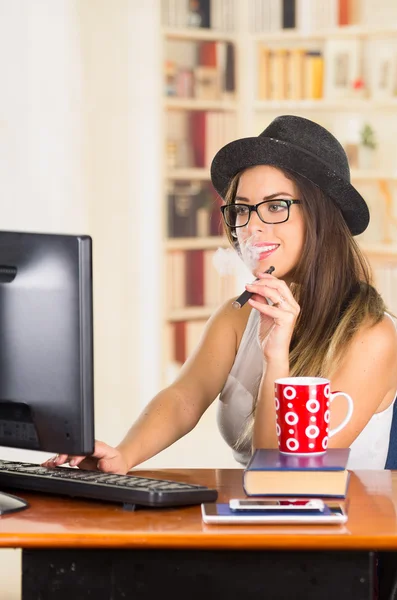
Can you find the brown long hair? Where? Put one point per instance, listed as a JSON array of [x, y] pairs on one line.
[[332, 285]]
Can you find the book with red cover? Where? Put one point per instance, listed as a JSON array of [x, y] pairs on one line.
[[343, 12], [198, 132], [271, 473], [194, 281], [216, 221], [180, 341]]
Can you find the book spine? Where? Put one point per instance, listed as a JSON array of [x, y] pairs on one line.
[[194, 289], [289, 19]]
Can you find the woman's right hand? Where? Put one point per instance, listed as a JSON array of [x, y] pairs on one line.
[[104, 458]]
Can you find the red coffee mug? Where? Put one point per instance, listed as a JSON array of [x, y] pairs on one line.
[[303, 414]]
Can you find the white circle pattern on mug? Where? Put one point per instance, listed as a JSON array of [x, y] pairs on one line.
[[324, 443], [327, 416], [277, 403], [313, 405], [289, 392], [327, 391], [312, 431], [291, 418], [292, 444], [278, 429]]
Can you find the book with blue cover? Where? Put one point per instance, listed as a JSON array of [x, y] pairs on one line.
[[272, 473]]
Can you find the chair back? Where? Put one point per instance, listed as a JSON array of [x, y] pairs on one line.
[[391, 461]]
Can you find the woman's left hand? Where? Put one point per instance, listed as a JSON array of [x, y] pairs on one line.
[[277, 321]]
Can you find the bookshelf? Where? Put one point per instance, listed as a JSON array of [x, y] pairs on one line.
[[363, 33], [202, 111]]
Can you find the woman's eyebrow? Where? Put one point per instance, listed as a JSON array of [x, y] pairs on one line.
[[271, 197]]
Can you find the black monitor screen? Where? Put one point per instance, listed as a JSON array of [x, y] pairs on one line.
[[46, 342]]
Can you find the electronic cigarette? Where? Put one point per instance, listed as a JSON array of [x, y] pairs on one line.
[[245, 296]]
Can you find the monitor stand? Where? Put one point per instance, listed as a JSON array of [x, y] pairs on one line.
[[10, 504]]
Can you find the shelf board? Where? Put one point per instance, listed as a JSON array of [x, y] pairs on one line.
[[197, 34], [348, 31], [189, 313], [173, 103], [345, 104], [193, 173], [197, 243]]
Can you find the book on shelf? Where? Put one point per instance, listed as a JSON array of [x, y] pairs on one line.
[[184, 337], [263, 72], [193, 211], [312, 15], [278, 74], [289, 73], [207, 74], [288, 11], [296, 74], [182, 215], [216, 222], [313, 78], [271, 473], [209, 131], [192, 280], [175, 279], [306, 15]]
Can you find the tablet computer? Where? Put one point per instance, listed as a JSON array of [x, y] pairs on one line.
[[218, 513]]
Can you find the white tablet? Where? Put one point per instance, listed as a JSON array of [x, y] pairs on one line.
[[218, 513]]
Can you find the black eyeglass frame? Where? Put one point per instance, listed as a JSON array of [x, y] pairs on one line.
[[254, 208]]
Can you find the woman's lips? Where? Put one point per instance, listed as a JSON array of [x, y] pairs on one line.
[[265, 250]]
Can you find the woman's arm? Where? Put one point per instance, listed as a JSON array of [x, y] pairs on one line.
[[174, 411], [368, 373]]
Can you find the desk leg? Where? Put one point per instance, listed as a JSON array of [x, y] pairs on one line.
[[73, 574]]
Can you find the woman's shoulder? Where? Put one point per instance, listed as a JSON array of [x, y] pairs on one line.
[[379, 336], [227, 316]]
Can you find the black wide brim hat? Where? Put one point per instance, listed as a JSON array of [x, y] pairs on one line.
[[301, 146]]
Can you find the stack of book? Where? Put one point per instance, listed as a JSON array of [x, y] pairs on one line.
[[271, 473]]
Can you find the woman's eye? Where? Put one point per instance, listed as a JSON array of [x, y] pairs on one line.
[[277, 206], [241, 210]]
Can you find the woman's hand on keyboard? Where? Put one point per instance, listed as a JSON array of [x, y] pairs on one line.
[[104, 458]]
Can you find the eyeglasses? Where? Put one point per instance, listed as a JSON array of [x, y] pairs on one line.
[[269, 211]]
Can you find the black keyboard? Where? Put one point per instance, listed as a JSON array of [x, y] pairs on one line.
[[130, 490]]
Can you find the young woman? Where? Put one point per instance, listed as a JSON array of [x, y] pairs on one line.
[[289, 204]]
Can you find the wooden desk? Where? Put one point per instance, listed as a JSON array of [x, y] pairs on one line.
[[71, 545]]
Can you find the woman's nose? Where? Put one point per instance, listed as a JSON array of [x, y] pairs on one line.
[[255, 224]]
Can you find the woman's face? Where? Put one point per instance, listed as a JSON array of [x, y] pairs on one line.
[[262, 244]]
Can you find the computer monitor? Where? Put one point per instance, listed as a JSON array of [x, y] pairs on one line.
[[46, 342]]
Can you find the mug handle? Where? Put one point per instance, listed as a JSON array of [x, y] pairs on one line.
[[349, 412]]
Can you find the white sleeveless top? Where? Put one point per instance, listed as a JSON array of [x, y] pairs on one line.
[[369, 449]]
